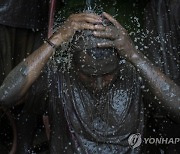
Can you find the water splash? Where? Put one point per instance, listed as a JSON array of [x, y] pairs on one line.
[[89, 4], [63, 56]]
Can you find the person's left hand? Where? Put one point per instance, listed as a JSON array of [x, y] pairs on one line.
[[119, 38]]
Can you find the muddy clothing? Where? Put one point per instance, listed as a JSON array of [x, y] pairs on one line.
[[94, 124], [24, 14], [163, 40]]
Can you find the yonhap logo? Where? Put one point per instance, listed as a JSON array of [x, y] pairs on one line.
[[135, 140]]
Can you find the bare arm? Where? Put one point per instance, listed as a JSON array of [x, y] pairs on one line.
[[22, 76], [167, 91], [161, 85]]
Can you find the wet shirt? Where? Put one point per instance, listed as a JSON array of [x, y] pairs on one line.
[[24, 13], [83, 123]]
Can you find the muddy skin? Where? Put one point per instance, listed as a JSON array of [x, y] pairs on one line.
[[82, 107], [96, 83], [82, 123], [167, 92], [16, 84], [99, 83], [13, 83], [160, 85], [97, 104], [36, 61], [95, 124]]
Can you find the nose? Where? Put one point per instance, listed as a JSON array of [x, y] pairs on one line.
[[99, 82]]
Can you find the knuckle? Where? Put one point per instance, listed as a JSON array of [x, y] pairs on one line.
[[73, 24], [72, 17], [107, 28], [97, 33], [90, 26], [69, 18], [125, 31], [83, 24]]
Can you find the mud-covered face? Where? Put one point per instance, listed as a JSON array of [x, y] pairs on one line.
[[96, 64], [96, 74], [96, 67], [97, 83]]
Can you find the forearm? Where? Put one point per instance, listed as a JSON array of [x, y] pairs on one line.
[[160, 85], [23, 75], [18, 82]]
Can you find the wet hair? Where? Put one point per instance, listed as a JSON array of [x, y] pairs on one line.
[[89, 58]]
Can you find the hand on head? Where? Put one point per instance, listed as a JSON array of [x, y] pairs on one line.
[[76, 22], [118, 36]]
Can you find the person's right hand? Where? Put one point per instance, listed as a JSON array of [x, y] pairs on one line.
[[75, 22]]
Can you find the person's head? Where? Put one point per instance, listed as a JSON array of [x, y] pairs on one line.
[[96, 66]]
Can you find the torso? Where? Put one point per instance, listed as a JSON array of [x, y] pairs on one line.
[[102, 124]]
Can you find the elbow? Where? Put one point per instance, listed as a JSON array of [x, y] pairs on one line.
[[6, 99]]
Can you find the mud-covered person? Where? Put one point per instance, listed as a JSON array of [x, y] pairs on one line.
[[96, 105]]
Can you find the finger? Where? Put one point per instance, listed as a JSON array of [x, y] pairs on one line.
[[85, 25], [112, 20], [84, 16], [104, 34], [92, 15], [105, 44], [99, 27], [87, 19]]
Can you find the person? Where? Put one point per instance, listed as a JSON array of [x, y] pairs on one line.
[[22, 25], [96, 105]]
